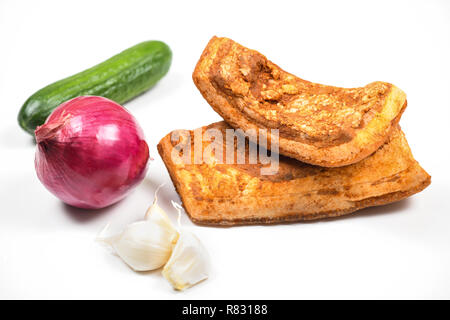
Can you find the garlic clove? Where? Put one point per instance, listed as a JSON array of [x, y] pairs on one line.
[[157, 215], [155, 208], [155, 242], [145, 245], [188, 264]]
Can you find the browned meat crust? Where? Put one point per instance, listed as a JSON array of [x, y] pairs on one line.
[[226, 194], [319, 124]]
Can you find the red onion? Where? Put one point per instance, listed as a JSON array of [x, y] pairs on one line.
[[90, 152]]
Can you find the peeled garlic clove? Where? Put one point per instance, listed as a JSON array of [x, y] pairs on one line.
[[188, 264]]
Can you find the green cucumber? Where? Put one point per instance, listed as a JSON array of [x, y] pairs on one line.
[[119, 78]]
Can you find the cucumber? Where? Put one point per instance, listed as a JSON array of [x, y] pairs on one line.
[[120, 78]]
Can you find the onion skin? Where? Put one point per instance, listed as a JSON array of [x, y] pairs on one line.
[[90, 152]]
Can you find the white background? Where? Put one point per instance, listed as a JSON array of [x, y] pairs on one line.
[[47, 249]]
